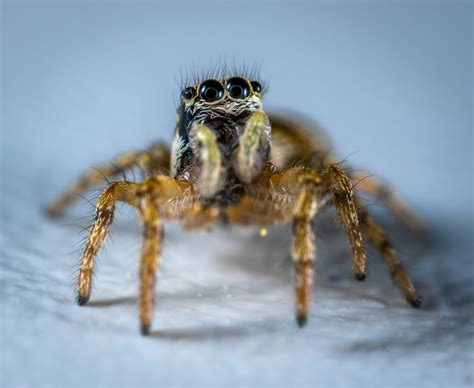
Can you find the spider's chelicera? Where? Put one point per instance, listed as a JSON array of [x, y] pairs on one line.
[[230, 161]]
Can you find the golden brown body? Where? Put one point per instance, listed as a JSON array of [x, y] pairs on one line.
[[299, 179]]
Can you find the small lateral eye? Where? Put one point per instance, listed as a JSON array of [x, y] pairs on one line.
[[188, 93], [238, 88], [257, 88], [211, 90]]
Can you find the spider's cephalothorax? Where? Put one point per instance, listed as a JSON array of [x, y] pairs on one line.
[[222, 137], [230, 161]]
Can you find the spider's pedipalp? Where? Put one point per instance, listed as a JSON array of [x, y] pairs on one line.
[[254, 147], [204, 144]]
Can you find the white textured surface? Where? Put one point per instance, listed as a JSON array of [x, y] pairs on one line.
[[83, 82], [224, 311]]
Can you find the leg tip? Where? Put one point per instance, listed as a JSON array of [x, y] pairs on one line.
[[361, 276], [301, 320], [82, 300], [416, 303], [144, 329], [52, 212]]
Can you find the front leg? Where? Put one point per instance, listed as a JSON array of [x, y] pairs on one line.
[[303, 250], [309, 200], [149, 213], [174, 197], [118, 191]]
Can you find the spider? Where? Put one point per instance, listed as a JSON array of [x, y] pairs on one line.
[[232, 163]]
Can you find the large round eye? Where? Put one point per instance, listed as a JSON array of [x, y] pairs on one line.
[[211, 90], [188, 93], [238, 88], [257, 88]]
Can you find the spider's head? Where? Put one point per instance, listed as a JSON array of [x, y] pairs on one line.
[[212, 118]]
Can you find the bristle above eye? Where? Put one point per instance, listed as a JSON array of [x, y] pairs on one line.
[[221, 70]]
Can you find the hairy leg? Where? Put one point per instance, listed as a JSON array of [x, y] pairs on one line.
[[171, 195], [304, 249], [306, 204], [153, 161], [374, 187], [294, 195], [105, 208], [379, 239], [156, 160], [150, 255], [341, 188]]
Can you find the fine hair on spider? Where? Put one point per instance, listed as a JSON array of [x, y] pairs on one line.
[[231, 162], [220, 69]]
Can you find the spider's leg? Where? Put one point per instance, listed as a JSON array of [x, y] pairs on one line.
[[155, 160], [152, 161], [302, 188], [149, 256], [379, 239], [118, 191], [368, 184], [303, 249], [158, 198], [341, 188], [294, 195], [174, 197]]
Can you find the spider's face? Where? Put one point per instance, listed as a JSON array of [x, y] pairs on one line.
[[213, 99], [212, 117]]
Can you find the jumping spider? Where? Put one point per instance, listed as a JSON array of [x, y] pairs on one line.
[[230, 161]]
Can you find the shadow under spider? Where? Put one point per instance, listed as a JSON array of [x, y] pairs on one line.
[[199, 333], [112, 302], [192, 333], [214, 332], [203, 293]]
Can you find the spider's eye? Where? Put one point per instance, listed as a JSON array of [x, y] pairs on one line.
[[257, 88], [238, 88], [211, 90], [188, 93]]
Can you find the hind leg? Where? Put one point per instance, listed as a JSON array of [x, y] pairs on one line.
[[152, 161], [365, 183], [380, 240]]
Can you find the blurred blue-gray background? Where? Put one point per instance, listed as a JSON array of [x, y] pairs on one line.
[[83, 81]]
